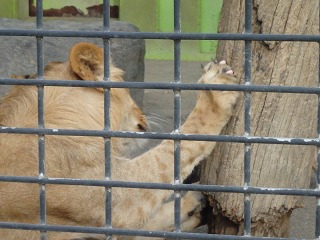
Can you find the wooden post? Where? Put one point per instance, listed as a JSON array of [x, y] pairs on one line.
[[272, 115]]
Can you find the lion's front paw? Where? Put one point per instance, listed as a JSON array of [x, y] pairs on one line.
[[214, 69], [220, 73]]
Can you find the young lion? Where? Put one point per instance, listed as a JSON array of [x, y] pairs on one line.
[[83, 157]]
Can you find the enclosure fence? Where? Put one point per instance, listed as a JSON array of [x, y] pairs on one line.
[[177, 36]]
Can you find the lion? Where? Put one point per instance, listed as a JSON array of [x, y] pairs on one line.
[[83, 157]]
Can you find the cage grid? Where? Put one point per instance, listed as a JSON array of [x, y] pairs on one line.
[[176, 87]]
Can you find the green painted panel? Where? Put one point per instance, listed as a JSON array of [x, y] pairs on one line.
[[142, 13], [8, 8], [114, 2], [190, 16], [209, 20], [166, 15], [157, 16]]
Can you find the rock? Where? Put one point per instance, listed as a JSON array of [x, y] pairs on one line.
[[18, 54]]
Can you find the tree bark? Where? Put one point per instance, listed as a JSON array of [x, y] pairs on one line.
[[272, 115]]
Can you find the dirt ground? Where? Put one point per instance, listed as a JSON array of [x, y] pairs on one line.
[[160, 102]]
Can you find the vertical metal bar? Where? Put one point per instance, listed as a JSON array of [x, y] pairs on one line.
[[106, 15], [177, 115], [317, 230], [247, 117], [107, 141], [39, 14], [41, 138]]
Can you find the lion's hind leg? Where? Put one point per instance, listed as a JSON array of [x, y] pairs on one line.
[[163, 220]]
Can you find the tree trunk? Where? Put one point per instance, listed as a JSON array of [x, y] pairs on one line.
[[272, 114]]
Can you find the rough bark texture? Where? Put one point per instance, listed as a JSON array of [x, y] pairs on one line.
[[273, 114]]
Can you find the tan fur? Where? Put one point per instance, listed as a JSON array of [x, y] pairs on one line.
[[83, 157]]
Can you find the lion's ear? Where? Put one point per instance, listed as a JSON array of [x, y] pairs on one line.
[[86, 61]]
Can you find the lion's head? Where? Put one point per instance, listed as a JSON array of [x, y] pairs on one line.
[[75, 107]]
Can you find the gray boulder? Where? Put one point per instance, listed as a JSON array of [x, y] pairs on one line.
[[18, 54]]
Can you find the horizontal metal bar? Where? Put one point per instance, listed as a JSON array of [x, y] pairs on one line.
[[158, 86], [119, 231], [157, 135], [160, 35], [162, 186]]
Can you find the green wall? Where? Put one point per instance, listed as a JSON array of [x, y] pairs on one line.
[[157, 15], [9, 8], [150, 16]]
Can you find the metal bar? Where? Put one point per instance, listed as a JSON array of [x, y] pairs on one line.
[[127, 232], [173, 86], [170, 136], [163, 186], [160, 35], [177, 86], [106, 15], [107, 124], [41, 137], [39, 15], [317, 229], [247, 120], [177, 116]]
